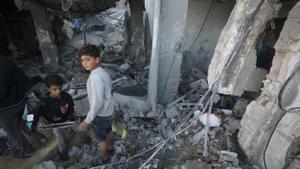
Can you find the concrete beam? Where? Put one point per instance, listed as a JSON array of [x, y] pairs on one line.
[[44, 34], [235, 54]]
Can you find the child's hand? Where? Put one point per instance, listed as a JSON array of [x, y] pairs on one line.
[[83, 126], [64, 108]]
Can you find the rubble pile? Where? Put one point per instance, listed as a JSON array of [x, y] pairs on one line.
[[178, 128], [106, 30], [137, 138]]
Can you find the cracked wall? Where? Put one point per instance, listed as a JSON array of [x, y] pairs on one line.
[[263, 118]]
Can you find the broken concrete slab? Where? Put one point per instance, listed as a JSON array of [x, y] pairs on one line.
[[44, 34], [134, 106], [81, 107], [228, 156], [198, 137], [240, 107], [232, 125], [201, 83], [242, 32], [45, 165], [196, 164], [263, 114], [186, 106], [171, 112]]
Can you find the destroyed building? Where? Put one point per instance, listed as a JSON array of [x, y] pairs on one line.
[[198, 83]]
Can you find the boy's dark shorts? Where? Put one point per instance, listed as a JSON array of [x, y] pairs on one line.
[[102, 126]]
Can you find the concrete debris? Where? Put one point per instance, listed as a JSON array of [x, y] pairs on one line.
[[198, 137], [134, 106], [193, 164], [228, 156], [124, 66], [201, 83], [2, 133], [67, 29], [81, 107], [46, 165], [186, 106], [240, 107], [159, 109], [75, 152], [226, 112], [171, 112], [232, 125], [106, 30], [196, 73]]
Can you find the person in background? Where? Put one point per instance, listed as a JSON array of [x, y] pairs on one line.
[[14, 88]]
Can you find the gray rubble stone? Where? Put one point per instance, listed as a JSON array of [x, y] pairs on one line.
[[45, 165], [201, 83], [228, 156], [134, 106], [81, 106], [171, 112], [198, 137], [232, 125]]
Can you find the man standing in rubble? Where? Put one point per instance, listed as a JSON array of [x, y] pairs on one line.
[[101, 113], [14, 87]]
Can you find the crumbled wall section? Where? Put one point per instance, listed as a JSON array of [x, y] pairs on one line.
[[263, 114], [237, 41], [44, 34]]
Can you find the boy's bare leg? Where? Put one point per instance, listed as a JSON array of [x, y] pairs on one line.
[[106, 146], [103, 150], [110, 141]]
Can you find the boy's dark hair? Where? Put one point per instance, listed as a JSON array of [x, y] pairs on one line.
[[90, 50], [53, 79]]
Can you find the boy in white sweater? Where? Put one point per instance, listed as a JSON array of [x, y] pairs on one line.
[[99, 89]]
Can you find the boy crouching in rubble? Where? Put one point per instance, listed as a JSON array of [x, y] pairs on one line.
[[56, 107], [101, 113]]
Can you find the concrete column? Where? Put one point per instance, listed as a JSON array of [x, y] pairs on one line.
[[44, 34], [168, 56]]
